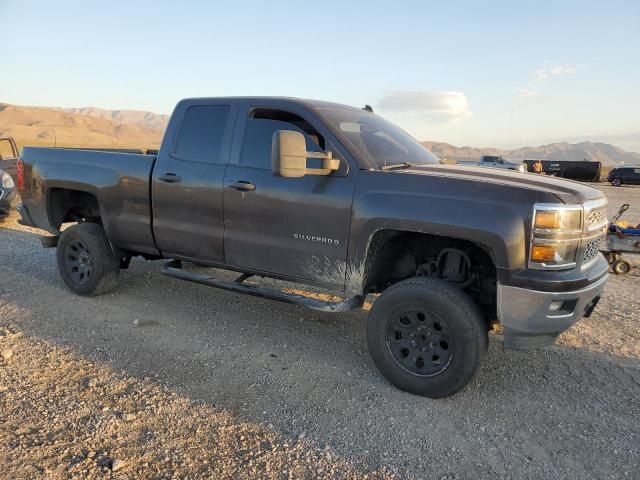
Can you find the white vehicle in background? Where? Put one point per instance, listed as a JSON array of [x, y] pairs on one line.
[[495, 161]]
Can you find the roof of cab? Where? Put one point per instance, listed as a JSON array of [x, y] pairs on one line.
[[309, 103]]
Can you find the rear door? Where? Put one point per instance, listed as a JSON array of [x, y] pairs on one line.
[[188, 181], [626, 175], [291, 227]]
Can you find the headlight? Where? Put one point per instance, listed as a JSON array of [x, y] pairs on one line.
[[561, 221], [7, 181], [555, 236]]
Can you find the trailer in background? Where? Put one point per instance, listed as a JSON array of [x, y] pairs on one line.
[[584, 170]]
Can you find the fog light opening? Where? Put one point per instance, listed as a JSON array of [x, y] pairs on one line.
[[562, 307]]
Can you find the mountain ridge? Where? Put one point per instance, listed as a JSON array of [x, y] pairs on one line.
[[126, 128], [50, 126], [609, 155], [141, 118]]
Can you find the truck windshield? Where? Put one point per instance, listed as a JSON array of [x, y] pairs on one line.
[[379, 141]]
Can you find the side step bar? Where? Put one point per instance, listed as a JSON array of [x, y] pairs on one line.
[[174, 269]]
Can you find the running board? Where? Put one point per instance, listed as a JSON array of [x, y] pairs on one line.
[[173, 269]]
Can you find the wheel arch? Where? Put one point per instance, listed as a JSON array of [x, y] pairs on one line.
[[71, 205], [392, 248]]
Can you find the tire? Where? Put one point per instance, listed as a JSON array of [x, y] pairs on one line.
[[616, 182], [621, 267], [427, 337], [86, 261]]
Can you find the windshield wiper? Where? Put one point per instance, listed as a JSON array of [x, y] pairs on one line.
[[395, 166]]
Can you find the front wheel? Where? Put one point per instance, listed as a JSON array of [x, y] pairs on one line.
[[427, 337], [616, 182], [86, 261]]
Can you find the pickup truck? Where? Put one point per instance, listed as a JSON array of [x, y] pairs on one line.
[[494, 161], [335, 197]]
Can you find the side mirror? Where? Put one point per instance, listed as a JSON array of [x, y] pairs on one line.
[[289, 156]]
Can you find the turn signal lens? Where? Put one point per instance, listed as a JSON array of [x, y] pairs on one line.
[[554, 254], [543, 253]]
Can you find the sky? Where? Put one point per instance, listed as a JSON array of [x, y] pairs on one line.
[[504, 74]]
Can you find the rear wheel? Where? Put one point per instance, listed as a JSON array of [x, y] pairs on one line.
[[616, 182], [86, 261], [621, 267], [427, 337]]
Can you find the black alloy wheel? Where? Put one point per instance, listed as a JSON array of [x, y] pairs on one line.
[[420, 342]]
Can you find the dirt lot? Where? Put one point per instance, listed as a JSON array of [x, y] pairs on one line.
[[164, 379]]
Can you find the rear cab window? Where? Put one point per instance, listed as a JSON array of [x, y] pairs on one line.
[[202, 134]]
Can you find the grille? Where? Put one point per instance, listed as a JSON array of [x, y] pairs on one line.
[[596, 216], [591, 250]]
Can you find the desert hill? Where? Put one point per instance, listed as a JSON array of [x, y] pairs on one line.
[[152, 121], [55, 127], [96, 127]]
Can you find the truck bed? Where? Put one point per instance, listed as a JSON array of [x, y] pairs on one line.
[[120, 183]]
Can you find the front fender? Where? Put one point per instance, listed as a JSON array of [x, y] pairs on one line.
[[498, 228]]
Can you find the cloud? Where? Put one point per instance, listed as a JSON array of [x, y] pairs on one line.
[[563, 70], [526, 92], [542, 74], [440, 106]]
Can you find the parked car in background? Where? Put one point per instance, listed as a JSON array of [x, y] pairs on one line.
[[582, 170], [624, 175], [7, 194], [495, 161]]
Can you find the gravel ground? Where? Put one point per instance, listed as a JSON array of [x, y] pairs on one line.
[[163, 379]]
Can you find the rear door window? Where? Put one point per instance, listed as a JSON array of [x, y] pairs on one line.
[[201, 134]]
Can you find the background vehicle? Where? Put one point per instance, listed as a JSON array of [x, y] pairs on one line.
[[624, 175], [7, 194], [324, 194], [583, 170], [495, 162]]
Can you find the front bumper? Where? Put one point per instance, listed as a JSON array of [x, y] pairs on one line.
[[7, 197], [533, 318]]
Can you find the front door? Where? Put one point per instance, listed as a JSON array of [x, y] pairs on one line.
[[188, 183], [290, 227]]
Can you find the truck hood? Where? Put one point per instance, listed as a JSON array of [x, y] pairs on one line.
[[566, 190]]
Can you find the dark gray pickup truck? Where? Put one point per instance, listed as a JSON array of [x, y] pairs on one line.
[[333, 196]]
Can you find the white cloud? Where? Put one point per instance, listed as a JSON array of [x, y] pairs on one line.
[[439, 106], [562, 70], [526, 92], [542, 74]]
